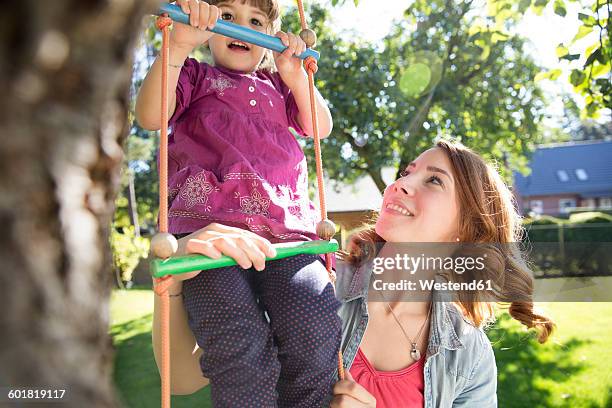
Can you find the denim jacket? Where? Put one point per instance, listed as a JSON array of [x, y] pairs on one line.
[[460, 368]]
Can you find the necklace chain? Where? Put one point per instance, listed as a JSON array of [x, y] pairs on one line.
[[414, 353]]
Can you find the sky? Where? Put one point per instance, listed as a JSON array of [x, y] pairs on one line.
[[372, 19]]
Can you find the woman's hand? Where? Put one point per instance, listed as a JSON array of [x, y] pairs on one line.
[[289, 67], [214, 240], [202, 17], [349, 394]]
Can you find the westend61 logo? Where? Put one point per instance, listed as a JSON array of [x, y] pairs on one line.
[[412, 264]]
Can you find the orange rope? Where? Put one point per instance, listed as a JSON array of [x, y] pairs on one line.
[[311, 67], [163, 23], [160, 288], [302, 17]]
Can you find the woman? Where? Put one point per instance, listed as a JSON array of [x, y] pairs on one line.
[[429, 353]]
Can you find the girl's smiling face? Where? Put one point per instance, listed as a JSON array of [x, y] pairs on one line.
[[422, 205], [234, 54]]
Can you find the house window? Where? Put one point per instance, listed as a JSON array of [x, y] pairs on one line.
[[605, 202], [562, 175], [537, 206], [566, 204], [581, 174], [588, 203]]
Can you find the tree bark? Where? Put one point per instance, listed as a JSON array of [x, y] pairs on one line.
[[65, 67], [376, 176]]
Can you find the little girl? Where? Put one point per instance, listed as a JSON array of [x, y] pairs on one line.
[[233, 160]]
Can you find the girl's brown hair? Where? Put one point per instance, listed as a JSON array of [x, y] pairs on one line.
[[488, 218], [271, 9]]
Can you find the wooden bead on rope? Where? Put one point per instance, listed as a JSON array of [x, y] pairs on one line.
[[309, 37], [326, 229], [164, 245]]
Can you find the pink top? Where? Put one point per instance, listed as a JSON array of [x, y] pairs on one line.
[[232, 158], [392, 389]]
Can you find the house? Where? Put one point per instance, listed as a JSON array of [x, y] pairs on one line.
[[565, 177]]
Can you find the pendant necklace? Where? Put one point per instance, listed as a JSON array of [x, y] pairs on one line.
[[414, 353]]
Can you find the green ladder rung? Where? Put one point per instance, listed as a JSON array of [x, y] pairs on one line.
[[189, 263]]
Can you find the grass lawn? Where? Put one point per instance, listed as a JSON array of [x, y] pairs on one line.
[[136, 375], [574, 369]]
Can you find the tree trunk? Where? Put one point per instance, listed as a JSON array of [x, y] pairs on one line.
[[64, 74], [376, 175]]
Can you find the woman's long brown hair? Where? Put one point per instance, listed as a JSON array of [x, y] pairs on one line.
[[488, 215]]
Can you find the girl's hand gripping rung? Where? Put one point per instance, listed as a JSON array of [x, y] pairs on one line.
[[237, 32], [190, 263]]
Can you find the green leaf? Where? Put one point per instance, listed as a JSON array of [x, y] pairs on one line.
[[602, 58], [524, 5], [600, 69], [561, 51], [541, 76], [539, 6], [571, 57], [486, 51], [597, 5], [499, 36], [588, 21], [605, 88], [553, 74], [577, 77], [591, 48], [592, 57], [591, 109], [583, 31], [559, 8]]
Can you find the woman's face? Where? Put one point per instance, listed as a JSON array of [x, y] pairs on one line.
[[422, 205]]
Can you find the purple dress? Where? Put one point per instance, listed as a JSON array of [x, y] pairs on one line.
[[231, 157]]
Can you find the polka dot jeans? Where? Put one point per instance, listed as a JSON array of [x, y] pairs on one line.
[[287, 361]]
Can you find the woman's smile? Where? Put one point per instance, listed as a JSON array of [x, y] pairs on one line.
[[398, 209]]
